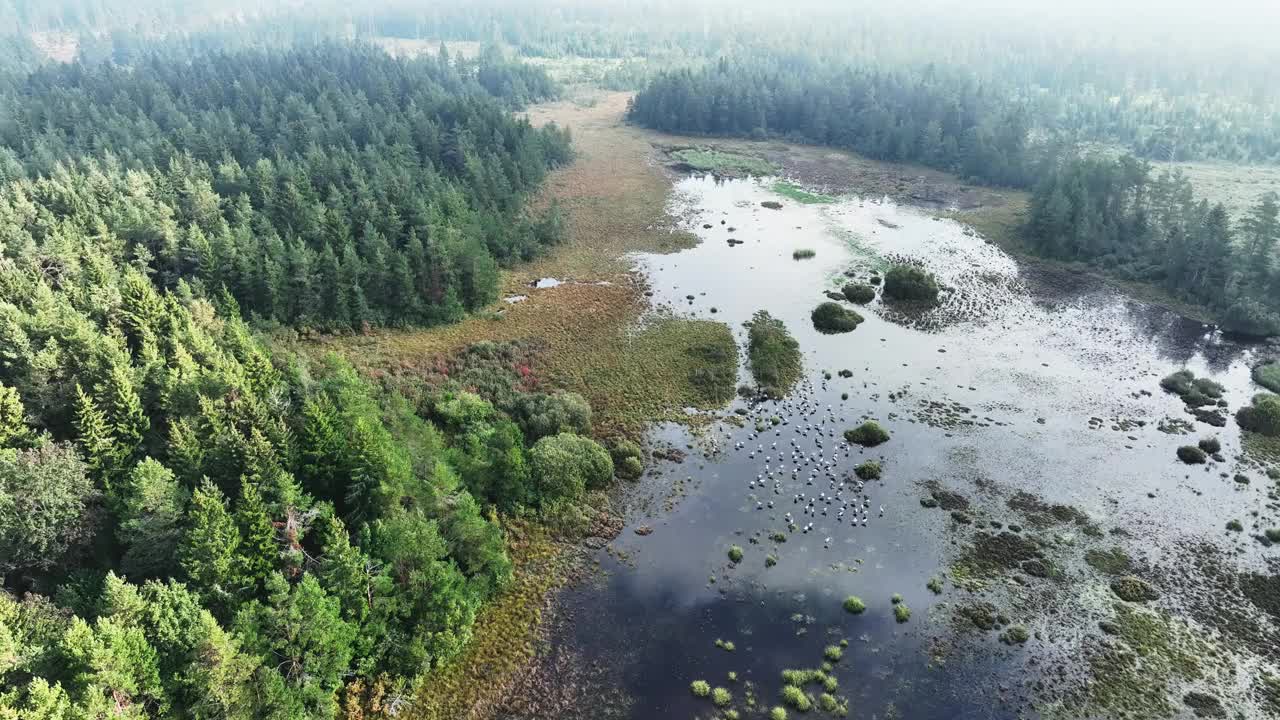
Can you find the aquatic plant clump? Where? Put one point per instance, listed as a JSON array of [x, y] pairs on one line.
[[868, 434], [853, 604], [833, 653], [721, 697], [859, 293], [1195, 392], [795, 697], [778, 713], [1192, 455], [735, 554], [901, 612], [910, 284], [1134, 589], [700, 688], [1015, 635], [774, 355], [869, 470], [831, 318]]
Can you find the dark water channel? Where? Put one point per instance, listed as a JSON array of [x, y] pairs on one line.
[[1038, 370]]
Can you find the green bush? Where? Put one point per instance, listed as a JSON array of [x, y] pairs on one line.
[[868, 434], [859, 293], [1211, 445], [774, 355], [1263, 416], [831, 318], [778, 713], [901, 612], [628, 459], [567, 465], [803, 254], [735, 554], [911, 284], [854, 604], [1015, 635], [869, 470], [700, 688], [1268, 376], [833, 653]]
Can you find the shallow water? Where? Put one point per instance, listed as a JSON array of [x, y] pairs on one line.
[[1045, 365]]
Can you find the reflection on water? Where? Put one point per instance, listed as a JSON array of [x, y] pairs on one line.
[[1035, 359]]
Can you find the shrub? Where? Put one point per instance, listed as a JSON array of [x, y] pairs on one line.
[[912, 284], [831, 318], [1263, 416], [896, 599], [854, 604], [803, 254], [833, 653], [868, 434], [1178, 383], [628, 458], [1235, 526], [721, 697], [700, 688], [1211, 445], [901, 612], [567, 465], [869, 470], [1268, 376], [778, 713], [1249, 317], [1192, 455], [827, 703], [735, 554], [770, 561], [859, 293]]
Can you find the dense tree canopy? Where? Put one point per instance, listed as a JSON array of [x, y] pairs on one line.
[[329, 186], [192, 523]]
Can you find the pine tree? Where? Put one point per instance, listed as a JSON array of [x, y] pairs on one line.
[[127, 418], [14, 431], [150, 520], [96, 440], [259, 550], [209, 550]]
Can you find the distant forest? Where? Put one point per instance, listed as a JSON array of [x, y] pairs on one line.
[[1088, 206]]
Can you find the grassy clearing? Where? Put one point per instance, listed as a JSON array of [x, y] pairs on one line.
[[721, 162], [799, 194]]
